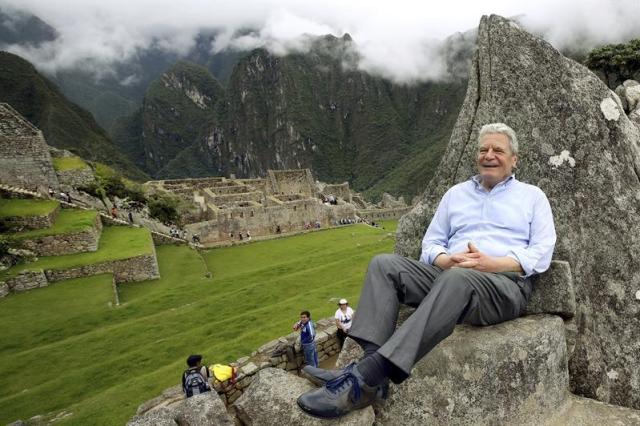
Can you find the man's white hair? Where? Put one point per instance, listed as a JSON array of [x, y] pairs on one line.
[[503, 129]]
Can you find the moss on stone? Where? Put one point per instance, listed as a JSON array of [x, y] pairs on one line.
[[68, 221], [69, 163], [21, 208]]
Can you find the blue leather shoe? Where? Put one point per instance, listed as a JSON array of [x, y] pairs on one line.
[[340, 396], [320, 376]]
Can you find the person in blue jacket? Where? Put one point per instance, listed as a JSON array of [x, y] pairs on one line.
[[307, 338]]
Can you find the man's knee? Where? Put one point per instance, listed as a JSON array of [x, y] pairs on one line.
[[455, 279], [384, 262]]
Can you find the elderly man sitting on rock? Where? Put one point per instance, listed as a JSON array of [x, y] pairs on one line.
[[488, 237]]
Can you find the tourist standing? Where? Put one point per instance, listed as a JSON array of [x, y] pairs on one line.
[[343, 318], [307, 338]]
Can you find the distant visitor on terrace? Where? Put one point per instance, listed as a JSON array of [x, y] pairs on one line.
[[488, 237]]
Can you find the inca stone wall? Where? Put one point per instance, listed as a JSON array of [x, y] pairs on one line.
[[291, 182], [76, 178], [576, 144], [57, 245], [139, 268], [340, 190], [22, 223], [24, 155], [283, 353]]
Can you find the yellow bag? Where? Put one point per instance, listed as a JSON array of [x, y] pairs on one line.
[[222, 373]]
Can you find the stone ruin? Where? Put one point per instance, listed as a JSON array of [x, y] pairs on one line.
[[582, 332], [288, 199], [24, 154]]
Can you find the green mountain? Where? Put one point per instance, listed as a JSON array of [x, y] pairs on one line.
[[64, 124], [310, 109]]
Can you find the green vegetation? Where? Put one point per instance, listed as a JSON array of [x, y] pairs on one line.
[[24, 207], [100, 362], [68, 221], [617, 62], [110, 183], [69, 163], [116, 242]]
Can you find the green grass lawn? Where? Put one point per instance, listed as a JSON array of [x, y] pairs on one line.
[[100, 362], [69, 163], [68, 221], [23, 207], [116, 242]]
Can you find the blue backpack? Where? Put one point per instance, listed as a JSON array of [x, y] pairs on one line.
[[194, 382]]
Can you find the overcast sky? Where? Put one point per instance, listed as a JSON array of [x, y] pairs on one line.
[[397, 39]]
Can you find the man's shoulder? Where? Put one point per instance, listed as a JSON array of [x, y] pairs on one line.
[[529, 188], [462, 186]]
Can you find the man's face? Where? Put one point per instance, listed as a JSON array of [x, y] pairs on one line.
[[495, 159], [304, 319]]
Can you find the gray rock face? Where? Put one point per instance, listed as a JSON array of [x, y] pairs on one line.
[[576, 144], [201, 410], [271, 400], [553, 292], [510, 373]]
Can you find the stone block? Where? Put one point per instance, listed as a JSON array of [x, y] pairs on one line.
[[27, 280], [249, 369], [271, 400], [205, 409], [321, 337], [553, 292], [4, 289], [510, 373]]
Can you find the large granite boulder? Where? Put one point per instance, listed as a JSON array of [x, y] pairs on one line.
[[271, 401], [510, 373], [200, 410], [576, 144]]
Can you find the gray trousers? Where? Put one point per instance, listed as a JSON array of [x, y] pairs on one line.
[[442, 298]]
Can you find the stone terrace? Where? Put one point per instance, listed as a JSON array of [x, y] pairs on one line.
[[75, 246]]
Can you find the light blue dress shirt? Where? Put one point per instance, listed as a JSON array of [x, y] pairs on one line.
[[513, 219]]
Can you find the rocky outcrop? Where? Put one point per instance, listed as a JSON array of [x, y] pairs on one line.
[[577, 144], [510, 373], [271, 400], [629, 94], [199, 410], [553, 292]]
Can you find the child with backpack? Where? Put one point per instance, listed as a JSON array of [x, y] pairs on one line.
[[195, 378]]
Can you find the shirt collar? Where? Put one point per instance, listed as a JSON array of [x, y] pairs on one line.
[[477, 180]]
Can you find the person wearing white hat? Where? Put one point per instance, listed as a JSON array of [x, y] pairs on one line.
[[344, 316]]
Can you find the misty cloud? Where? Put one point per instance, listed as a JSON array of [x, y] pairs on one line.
[[401, 40]]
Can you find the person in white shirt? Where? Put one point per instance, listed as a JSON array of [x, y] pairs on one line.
[[344, 316]]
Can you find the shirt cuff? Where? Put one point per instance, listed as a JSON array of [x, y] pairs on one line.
[[429, 255], [520, 257]]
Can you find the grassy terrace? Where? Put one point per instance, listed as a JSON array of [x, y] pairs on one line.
[[69, 163], [116, 242], [100, 362], [68, 221], [20, 207]]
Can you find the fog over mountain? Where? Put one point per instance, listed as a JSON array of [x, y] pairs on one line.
[[400, 40]]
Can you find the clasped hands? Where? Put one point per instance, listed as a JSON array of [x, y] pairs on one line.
[[473, 258]]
